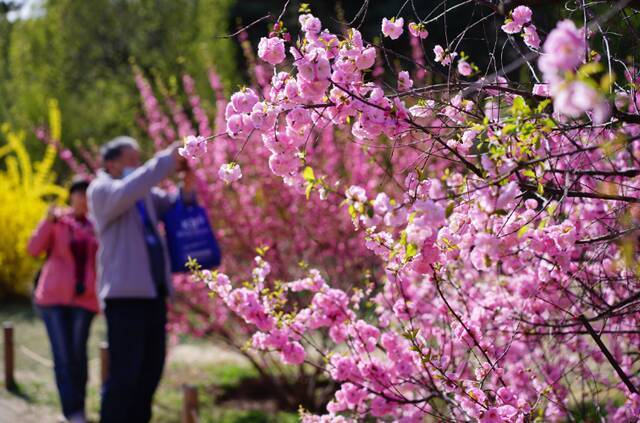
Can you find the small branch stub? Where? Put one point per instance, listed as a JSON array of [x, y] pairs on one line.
[[9, 357], [190, 404], [104, 362]]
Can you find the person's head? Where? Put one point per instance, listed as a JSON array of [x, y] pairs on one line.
[[120, 155], [78, 195]]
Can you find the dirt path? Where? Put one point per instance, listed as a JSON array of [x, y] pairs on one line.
[[15, 410], [189, 362]]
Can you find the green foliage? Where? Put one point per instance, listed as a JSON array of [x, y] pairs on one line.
[[82, 52], [589, 411], [247, 416], [232, 375]]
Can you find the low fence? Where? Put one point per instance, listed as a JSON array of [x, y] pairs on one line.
[[190, 403]]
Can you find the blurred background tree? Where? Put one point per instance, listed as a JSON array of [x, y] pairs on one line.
[[81, 52]]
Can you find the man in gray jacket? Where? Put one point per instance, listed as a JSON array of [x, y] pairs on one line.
[[134, 274]]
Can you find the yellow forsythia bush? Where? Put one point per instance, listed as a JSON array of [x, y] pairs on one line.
[[26, 189]]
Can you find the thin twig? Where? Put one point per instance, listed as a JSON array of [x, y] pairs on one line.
[[244, 28]]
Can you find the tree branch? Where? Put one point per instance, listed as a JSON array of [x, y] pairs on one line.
[[608, 237], [578, 194], [607, 354]]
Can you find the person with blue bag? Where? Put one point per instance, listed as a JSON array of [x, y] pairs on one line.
[[134, 270]]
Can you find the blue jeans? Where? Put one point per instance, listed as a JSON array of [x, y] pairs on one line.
[[68, 330], [137, 345]]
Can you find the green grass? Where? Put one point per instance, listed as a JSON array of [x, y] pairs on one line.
[[240, 416], [33, 359], [229, 376], [213, 377]]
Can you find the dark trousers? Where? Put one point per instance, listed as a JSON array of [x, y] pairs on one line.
[[68, 330], [137, 346]]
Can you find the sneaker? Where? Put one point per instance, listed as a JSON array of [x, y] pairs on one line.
[[78, 417]]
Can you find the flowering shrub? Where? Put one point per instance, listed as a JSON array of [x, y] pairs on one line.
[[508, 247], [24, 188], [258, 214]]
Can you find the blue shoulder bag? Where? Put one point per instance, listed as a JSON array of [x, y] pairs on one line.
[[189, 235]]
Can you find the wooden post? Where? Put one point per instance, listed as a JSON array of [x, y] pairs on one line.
[[9, 357], [189, 404], [104, 362]]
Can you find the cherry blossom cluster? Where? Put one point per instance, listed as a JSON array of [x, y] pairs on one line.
[[520, 21], [259, 213], [508, 269]]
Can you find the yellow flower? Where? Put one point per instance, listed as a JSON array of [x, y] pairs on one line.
[[26, 187]]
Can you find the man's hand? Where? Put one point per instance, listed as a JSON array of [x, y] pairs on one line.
[[189, 180], [181, 162], [183, 167]]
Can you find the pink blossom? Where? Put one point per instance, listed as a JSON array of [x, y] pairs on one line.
[[531, 38], [381, 204], [464, 68], [520, 16], [314, 67], [418, 30], [491, 416], [310, 23], [247, 304], [338, 333], [366, 59], [404, 81], [194, 147], [234, 125], [352, 394], [293, 353], [506, 395], [380, 407], [312, 283], [439, 52], [344, 368], [392, 28], [469, 136], [364, 335], [230, 172], [258, 115], [244, 100], [356, 194], [329, 308], [298, 118], [541, 90], [563, 49], [429, 254], [511, 27], [575, 98], [271, 50], [283, 164], [443, 56], [507, 195]]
